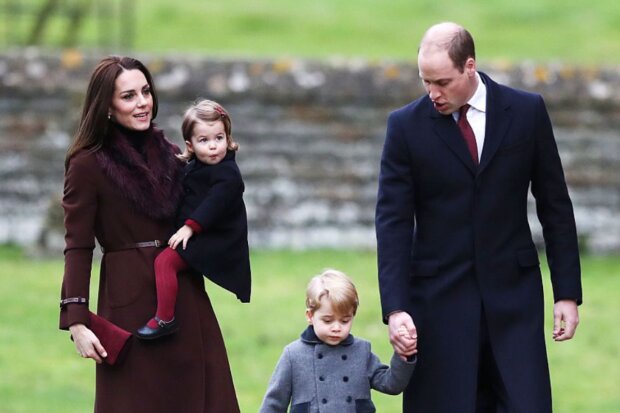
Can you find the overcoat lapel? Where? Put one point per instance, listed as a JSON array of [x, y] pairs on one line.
[[445, 127], [497, 125], [498, 122]]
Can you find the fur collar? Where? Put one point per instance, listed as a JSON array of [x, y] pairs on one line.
[[149, 179]]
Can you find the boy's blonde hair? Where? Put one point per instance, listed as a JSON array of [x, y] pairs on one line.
[[204, 110], [335, 286]]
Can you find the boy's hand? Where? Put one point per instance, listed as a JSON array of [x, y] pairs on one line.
[[402, 331], [181, 236]]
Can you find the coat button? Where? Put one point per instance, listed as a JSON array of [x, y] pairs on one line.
[[349, 399], [321, 378], [344, 356], [320, 355], [324, 401], [345, 379]]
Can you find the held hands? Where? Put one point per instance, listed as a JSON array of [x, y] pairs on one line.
[[565, 320], [403, 334], [181, 236], [87, 344]]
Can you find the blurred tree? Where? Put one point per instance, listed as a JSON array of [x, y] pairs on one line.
[[76, 11], [76, 17]]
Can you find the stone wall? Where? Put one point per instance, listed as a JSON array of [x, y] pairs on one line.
[[311, 134]]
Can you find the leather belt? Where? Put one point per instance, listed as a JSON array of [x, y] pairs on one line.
[[144, 244]]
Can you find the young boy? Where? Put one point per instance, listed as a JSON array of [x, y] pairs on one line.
[[327, 367]]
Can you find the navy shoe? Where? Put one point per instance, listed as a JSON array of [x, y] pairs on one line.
[[163, 328]]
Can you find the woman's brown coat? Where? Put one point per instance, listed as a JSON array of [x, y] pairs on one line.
[[187, 372]]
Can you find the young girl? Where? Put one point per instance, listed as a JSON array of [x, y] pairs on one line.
[[328, 369], [212, 238]]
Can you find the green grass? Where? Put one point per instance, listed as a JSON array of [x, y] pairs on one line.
[[42, 373], [576, 31]]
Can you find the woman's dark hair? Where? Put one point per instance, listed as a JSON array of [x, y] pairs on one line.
[[94, 123]]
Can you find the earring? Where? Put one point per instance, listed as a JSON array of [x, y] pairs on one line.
[[109, 116]]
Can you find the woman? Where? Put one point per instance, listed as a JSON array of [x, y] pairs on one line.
[[122, 188]]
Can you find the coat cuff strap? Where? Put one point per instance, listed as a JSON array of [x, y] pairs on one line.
[[73, 300]]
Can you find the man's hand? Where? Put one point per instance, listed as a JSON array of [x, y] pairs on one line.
[[403, 334], [181, 236], [565, 320]]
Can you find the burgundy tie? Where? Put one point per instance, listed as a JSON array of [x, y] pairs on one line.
[[468, 133]]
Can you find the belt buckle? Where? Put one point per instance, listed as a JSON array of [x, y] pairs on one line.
[[158, 243]]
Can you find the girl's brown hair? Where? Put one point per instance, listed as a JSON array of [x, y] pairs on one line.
[[205, 110]]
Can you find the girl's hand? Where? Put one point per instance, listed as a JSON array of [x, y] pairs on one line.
[[181, 236], [87, 344]]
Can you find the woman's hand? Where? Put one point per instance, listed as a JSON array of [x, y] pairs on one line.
[[87, 343], [181, 236]]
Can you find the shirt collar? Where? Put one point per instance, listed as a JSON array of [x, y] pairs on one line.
[[479, 100], [310, 337]]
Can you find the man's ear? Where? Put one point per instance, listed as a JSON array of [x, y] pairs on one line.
[[470, 66], [309, 316]]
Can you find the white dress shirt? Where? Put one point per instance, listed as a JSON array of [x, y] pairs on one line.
[[476, 115]]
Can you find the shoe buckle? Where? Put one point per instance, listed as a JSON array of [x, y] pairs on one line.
[[162, 323]]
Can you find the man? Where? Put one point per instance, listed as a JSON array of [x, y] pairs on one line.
[[457, 264]]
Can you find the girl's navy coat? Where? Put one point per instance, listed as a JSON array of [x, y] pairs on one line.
[[213, 197]]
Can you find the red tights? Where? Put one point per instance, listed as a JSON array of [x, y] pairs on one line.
[[167, 265]]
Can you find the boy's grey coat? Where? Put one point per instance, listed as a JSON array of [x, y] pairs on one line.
[[315, 377]]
